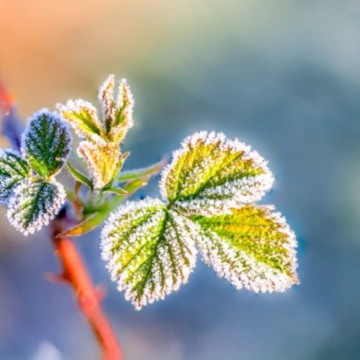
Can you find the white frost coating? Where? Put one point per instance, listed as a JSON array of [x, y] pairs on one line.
[[35, 205], [30, 146], [78, 107], [11, 173], [241, 268], [234, 193], [171, 255]]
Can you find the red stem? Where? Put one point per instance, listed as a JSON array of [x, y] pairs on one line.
[[89, 298], [5, 100]]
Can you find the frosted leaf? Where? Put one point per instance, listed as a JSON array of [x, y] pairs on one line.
[[149, 250], [102, 161], [123, 119], [252, 247], [46, 143], [116, 114], [82, 116], [34, 204], [106, 98], [211, 174], [13, 169]]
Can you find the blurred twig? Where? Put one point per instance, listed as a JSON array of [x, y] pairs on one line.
[[89, 298], [11, 124]]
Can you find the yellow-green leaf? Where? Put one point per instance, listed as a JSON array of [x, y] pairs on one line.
[[211, 174], [252, 247], [149, 250]]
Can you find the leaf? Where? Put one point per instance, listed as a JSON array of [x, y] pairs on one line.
[[106, 98], [212, 174], [144, 172], [102, 161], [46, 143], [78, 175], [82, 116], [35, 204], [149, 250], [117, 191], [123, 111], [118, 167], [83, 228], [13, 169], [252, 247]]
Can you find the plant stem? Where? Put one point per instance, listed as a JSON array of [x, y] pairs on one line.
[[88, 297], [5, 100]]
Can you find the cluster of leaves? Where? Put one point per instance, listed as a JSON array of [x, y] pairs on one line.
[[100, 145], [209, 193], [27, 184]]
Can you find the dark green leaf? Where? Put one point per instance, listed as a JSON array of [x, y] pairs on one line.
[[13, 169], [46, 143]]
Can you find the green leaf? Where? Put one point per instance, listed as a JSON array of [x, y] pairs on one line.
[[252, 247], [46, 143], [117, 191], [82, 116], [116, 115], [78, 175], [118, 167], [149, 250], [13, 169], [34, 204], [123, 120], [140, 173], [212, 173], [106, 98], [84, 227]]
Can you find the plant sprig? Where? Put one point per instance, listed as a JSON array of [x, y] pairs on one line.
[[209, 195]]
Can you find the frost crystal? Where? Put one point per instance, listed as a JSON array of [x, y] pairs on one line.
[[34, 204], [212, 174], [46, 143], [102, 138], [149, 250], [13, 169]]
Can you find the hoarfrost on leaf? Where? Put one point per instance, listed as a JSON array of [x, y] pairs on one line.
[[101, 160], [149, 250], [46, 143], [82, 116], [252, 247], [212, 174], [13, 169], [34, 204]]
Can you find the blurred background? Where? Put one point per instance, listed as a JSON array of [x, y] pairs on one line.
[[281, 75]]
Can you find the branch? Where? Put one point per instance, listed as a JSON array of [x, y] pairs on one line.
[[5, 100], [88, 297]]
